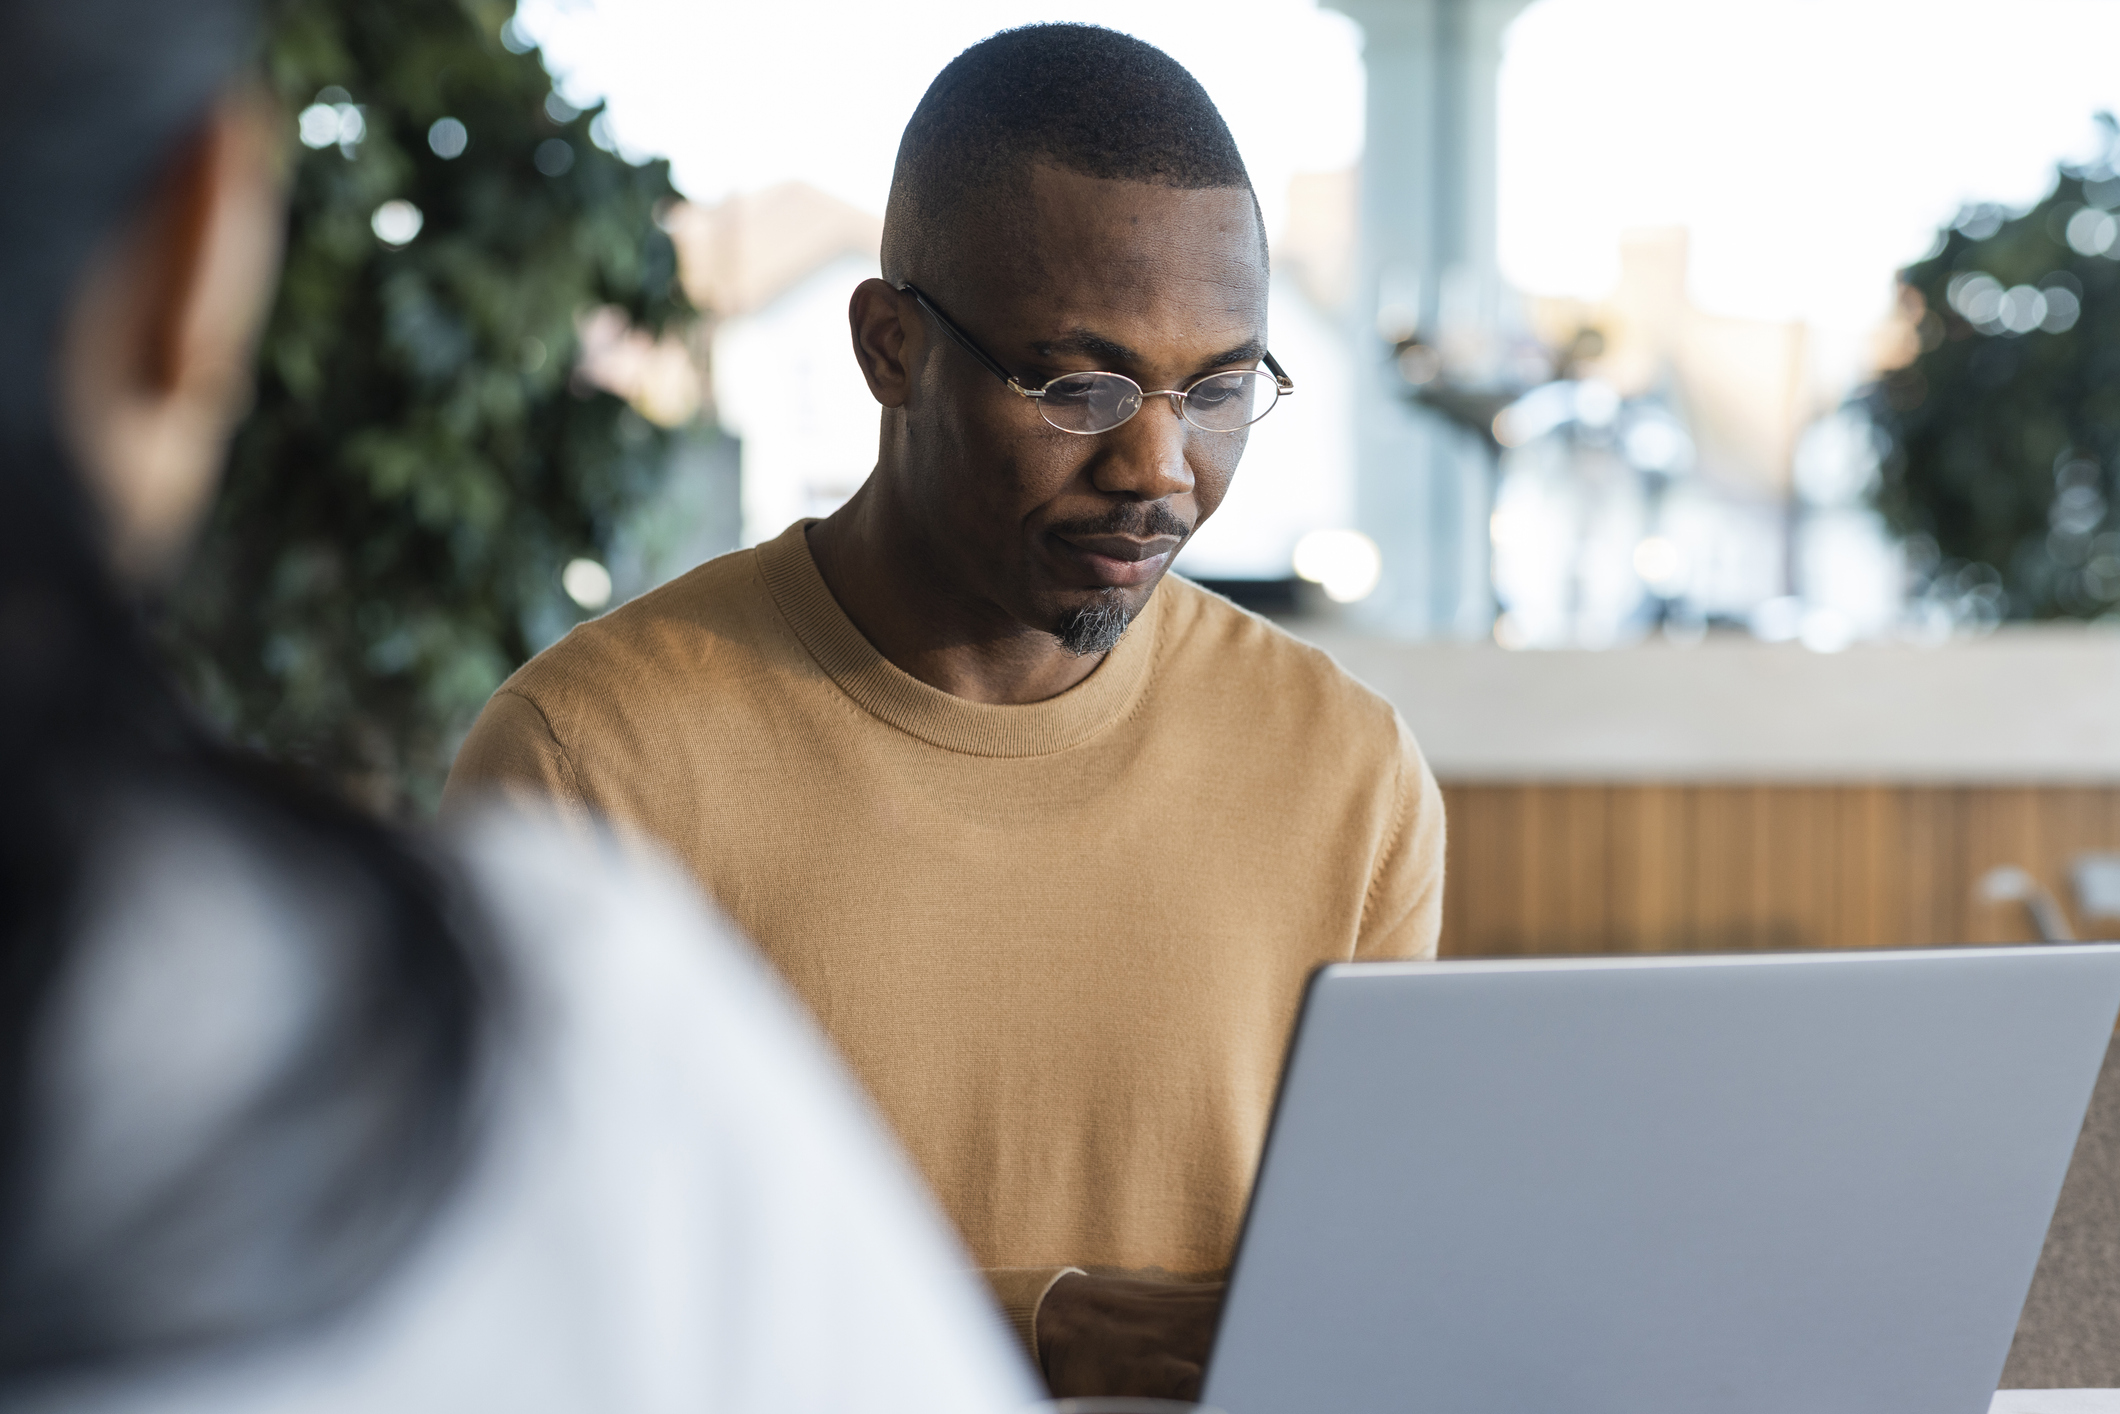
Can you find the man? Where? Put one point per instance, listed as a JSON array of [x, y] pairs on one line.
[[1048, 841]]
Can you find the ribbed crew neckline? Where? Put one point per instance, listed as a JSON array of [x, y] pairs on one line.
[[892, 695]]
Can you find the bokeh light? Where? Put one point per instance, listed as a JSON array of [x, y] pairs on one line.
[[396, 222], [448, 138], [2092, 232], [555, 157], [1661, 564], [587, 583], [1344, 563]]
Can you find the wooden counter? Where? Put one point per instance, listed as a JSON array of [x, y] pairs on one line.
[[1631, 867], [1738, 795]]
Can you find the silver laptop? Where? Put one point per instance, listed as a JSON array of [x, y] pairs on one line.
[[1787, 1184]]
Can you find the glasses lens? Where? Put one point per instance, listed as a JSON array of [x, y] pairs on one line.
[[1228, 401], [1090, 402]]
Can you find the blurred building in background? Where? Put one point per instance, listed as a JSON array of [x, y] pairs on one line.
[[1428, 274], [1653, 487], [1571, 472], [774, 270]]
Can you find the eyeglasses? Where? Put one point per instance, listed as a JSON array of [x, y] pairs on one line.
[[1088, 403]]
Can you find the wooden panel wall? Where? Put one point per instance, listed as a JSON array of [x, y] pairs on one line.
[[1584, 868]]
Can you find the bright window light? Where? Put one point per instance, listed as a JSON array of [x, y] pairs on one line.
[[1344, 563]]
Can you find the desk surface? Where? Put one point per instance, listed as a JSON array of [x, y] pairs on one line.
[[2055, 1401]]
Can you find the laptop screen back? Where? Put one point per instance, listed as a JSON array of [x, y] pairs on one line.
[[1752, 1185]]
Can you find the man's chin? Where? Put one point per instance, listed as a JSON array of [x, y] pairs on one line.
[[1096, 627]]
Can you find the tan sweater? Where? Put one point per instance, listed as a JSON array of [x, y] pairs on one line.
[[1062, 943]]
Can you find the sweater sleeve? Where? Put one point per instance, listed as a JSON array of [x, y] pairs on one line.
[[512, 754], [1402, 914], [1021, 1291]]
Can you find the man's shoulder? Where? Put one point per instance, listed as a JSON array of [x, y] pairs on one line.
[[1223, 649], [713, 618]]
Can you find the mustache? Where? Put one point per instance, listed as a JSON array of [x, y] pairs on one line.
[[1140, 521]]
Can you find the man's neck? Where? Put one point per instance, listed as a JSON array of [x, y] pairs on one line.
[[946, 639]]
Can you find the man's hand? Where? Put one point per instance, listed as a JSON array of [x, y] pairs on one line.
[[1126, 1335]]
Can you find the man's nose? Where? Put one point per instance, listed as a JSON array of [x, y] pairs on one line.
[[1145, 457]]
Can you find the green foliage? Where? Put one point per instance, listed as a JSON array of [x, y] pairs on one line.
[[419, 464], [2001, 445]]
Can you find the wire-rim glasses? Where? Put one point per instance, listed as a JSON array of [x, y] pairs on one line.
[[1088, 403]]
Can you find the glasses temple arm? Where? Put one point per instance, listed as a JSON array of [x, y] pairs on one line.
[[960, 338], [1280, 377]]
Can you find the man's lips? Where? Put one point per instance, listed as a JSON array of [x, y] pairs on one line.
[[1119, 560]]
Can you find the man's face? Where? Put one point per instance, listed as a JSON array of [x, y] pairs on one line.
[[1161, 284]]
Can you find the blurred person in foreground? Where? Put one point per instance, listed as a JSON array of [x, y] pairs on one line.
[[297, 1113], [1049, 839]]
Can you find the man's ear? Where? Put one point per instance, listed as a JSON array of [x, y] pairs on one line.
[[888, 340]]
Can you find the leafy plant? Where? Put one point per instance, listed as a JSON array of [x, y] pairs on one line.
[[2001, 435], [421, 460]]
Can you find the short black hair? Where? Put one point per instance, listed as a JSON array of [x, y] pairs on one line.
[[1084, 98]]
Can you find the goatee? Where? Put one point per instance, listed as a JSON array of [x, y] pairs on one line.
[[1096, 627]]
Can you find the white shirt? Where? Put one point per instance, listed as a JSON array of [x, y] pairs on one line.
[[681, 1201]]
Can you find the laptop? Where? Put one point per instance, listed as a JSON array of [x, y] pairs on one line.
[[1768, 1184]]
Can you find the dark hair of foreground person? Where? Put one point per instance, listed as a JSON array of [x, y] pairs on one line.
[[296, 1198]]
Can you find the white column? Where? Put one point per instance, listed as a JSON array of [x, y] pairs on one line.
[[1428, 265]]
